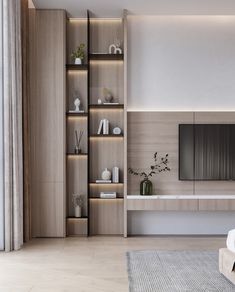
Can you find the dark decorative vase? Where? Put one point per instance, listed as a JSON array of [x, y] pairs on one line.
[[146, 187]]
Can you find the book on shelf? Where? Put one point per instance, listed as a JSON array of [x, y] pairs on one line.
[[100, 127], [103, 181], [108, 195], [103, 127]]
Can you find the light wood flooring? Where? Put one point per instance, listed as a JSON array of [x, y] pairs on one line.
[[94, 264]]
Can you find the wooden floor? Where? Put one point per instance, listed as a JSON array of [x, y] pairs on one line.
[[94, 264]]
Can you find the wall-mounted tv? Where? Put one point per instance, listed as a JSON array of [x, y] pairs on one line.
[[207, 152]]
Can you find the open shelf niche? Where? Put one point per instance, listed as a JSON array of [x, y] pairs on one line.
[[106, 151], [77, 164]]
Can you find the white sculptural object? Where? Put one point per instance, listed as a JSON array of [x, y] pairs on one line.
[[115, 49], [112, 49], [77, 103]]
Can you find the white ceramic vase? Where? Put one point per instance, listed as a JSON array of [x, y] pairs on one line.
[[106, 174], [78, 211], [78, 61]]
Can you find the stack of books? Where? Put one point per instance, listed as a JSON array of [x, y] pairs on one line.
[[103, 127], [108, 195], [103, 181]]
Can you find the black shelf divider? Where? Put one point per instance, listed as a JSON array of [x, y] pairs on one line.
[[73, 217], [97, 198], [106, 136], [74, 114], [82, 67], [74, 154], [106, 106], [106, 57], [88, 120], [112, 183]]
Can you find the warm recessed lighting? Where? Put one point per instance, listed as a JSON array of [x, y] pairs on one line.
[[105, 19], [77, 19], [74, 118], [75, 72]]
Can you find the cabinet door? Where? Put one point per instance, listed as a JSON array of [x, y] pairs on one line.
[[216, 205], [47, 122], [106, 216]]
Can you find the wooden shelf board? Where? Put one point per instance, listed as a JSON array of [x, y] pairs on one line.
[[74, 154], [77, 67], [73, 114], [106, 136], [106, 57], [71, 217], [95, 183], [106, 106], [92, 198]]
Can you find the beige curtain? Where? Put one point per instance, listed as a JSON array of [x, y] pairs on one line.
[[12, 103]]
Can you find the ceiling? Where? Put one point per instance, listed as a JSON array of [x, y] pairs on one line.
[[114, 8]]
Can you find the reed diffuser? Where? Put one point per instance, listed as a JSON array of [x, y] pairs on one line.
[[78, 138]]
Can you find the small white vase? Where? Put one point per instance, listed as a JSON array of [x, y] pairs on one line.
[[78, 212], [106, 174], [78, 61]]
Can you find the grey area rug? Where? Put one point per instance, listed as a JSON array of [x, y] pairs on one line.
[[169, 271]]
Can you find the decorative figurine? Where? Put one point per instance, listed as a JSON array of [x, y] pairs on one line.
[[117, 131], [77, 103], [115, 49]]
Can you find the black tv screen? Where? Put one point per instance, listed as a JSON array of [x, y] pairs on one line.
[[207, 152]]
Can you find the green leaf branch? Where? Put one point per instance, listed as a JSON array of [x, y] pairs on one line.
[[160, 165]]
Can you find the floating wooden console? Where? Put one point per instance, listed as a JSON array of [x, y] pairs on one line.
[[181, 202]]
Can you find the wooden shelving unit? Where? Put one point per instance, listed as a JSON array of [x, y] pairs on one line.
[[77, 164], [106, 71], [100, 70]]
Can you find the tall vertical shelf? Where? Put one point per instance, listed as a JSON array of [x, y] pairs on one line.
[[77, 164], [99, 70], [106, 151]]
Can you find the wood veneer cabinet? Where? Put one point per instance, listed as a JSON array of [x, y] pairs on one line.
[[47, 122]]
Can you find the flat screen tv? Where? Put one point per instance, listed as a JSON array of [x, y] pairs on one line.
[[207, 152]]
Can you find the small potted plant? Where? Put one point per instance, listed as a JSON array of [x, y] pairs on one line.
[[146, 186], [79, 54], [78, 203]]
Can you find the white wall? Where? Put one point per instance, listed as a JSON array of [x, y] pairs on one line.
[[181, 63]]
